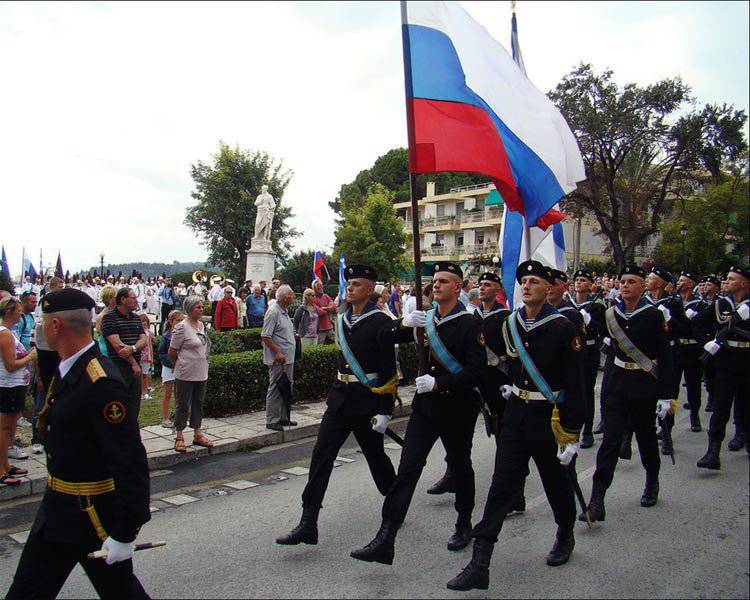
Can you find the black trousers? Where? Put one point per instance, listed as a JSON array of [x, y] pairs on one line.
[[456, 431], [165, 310], [690, 366], [334, 430], [45, 566], [708, 376], [729, 387], [603, 392], [511, 469], [621, 406], [590, 371]]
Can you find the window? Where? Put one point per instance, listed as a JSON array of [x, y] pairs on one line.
[[479, 237], [440, 210], [439, 239], [459, 207], [480, 203], [460, 239]]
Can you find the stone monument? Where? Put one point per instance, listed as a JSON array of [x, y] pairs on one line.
[[261, 259]]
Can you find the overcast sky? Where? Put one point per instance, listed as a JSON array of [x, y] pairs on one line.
[[105, 106]]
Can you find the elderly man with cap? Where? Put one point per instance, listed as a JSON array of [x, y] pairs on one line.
[[360, 401], [492, 314], [97, 484], [641, 384], [542, 418], [445, 406], [689, 347], [731, 351], [592, 313]]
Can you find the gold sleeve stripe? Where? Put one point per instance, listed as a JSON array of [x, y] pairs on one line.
[[94, 370]]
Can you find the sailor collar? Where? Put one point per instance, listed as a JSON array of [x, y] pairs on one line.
[[496, 308], [547, 314], [458, 311], [564, 305], [369, 310], [589, 298], [646, 302]]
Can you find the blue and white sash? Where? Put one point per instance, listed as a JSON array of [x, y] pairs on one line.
[[528, 364], [349, 357], [438, 348]]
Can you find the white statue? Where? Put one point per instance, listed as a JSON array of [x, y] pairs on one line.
[[264, 219]]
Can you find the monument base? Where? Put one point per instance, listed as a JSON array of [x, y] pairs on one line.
[[261, 261]]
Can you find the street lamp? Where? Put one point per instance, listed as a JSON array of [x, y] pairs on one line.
[[101, 269], [683, 235]]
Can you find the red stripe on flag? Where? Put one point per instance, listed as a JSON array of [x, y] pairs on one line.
[[451, 136]]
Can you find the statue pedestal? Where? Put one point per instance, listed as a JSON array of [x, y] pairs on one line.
[[261, 261]]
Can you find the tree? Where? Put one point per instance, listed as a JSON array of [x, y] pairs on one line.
[[297, 271], [641, 151], [391, 170], [374, 235], [6, 284], [711, 231], [224, 215]]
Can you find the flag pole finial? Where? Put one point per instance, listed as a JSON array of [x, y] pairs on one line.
[[513, 6]]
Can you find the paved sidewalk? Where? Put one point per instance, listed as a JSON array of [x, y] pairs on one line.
[[229, 434]]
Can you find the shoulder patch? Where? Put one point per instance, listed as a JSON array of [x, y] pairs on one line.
[[576, 344], [94, 370], [114, 412]]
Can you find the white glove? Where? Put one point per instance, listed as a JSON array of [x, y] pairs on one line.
[[506, 391], [744, 312], [117, 551], [425, 383], [586, 316], [662, 408], [690, 313], [381, 422], [415, 318], [565, 455], [712, 347], [665, 311], [607, 341]]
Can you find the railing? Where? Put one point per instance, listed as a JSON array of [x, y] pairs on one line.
[[482, 215], [467, 188], [466, 249], [465, 217]]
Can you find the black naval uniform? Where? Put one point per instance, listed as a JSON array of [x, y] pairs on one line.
[[632, 395], [731, 376], [496, 371], [90, 434], [352, 405], [689, 352], [594, 330], [556, 347]]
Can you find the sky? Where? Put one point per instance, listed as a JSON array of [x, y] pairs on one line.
[[106, 105]]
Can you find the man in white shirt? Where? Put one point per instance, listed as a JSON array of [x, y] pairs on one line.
[[215, 294]]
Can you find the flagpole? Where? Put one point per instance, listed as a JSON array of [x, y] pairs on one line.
[[409, 96]]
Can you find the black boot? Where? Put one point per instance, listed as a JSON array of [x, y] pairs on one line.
[[711, 459], [381, 549], [596, 507], [444, 486], [587, 438], [460, 538], [695, 421], [737, 443], [476, 575], [562, 549], [650, 492], [666, 445], [307, 530], [519, 507], [709, 406], [626, 450], [599, 429]]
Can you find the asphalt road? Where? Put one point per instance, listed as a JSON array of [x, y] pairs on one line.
[[694, 543]]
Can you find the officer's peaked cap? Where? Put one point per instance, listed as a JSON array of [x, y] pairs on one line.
[[66, 299]]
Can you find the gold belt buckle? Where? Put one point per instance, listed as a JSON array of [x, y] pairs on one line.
[[523, 395], [629, 366]]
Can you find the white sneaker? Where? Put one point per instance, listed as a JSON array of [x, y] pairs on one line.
[[147, 397], [16, 453], [37, 448], [23, 422]]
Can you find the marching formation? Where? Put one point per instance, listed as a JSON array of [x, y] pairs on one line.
[[529, 372]]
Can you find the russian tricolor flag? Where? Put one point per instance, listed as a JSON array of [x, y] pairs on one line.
[[472, 109], [318, 266]]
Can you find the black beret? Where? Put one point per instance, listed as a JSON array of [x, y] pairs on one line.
[[66, 299], [583, 273], [448, 267], [360, 272], [561, 275], [534, 267], [662, 273], [712, 279], [690, 275], [490, 276], [744, 271], [632, 270]]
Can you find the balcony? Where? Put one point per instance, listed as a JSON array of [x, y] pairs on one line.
[[459, 252], [463, 220]]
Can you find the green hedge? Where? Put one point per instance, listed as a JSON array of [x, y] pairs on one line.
[[238, 382]]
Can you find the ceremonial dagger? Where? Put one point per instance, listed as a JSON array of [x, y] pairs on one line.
[[138, 547], [390, 433]]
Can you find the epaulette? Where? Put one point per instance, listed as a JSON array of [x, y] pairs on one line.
[[94, 370]]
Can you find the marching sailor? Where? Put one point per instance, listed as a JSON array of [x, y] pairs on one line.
[[543, 416], [731, 350], [97, 484], [689, 349], [445, 406], [360, 401], [709, 293], [592, 313], [640, 384]]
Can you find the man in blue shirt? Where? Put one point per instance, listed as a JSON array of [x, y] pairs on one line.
[[256, 307], [25, 326]]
